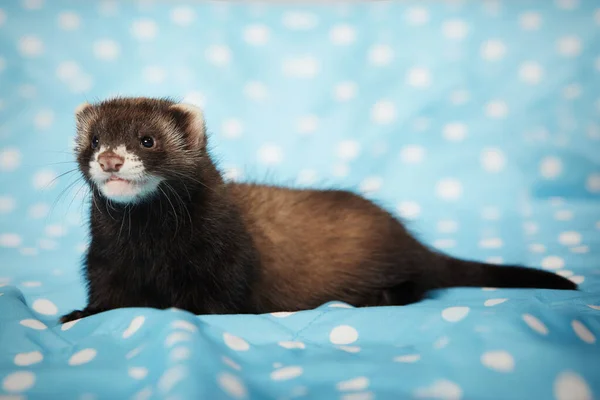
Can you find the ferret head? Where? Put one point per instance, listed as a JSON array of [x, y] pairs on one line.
[[127, 146]]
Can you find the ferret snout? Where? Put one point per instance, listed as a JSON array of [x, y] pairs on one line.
[[110, 162]]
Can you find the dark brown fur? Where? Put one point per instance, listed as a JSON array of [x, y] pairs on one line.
[[208, 246]]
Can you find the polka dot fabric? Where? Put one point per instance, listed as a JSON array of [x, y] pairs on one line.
[[478, 123]]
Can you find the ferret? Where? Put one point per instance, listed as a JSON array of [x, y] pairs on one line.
[[168, 231]]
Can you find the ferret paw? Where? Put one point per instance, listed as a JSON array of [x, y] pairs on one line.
[[72, 316]]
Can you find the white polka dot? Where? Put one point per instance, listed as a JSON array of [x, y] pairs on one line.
[[282, 314], [183, 15], [2, 17], [531, 72], [270, 154], [491, 243], [82, 357], [371, 184], [412, 154], [144, 394], [569, 238], [444, 244], [340, 170], [10, 159], [256, 90], [345, 91], [383, 112], [306, 177], [418, 78], [459, 97], [154, 74], [495, 260], [18, 381], [567, 4], [455, 29], [447, 226], [577, 279], [569, 46], [137, 372], [25, 359], [292, 345], [286, 373], [343, 334], [45, 307], [380, 55], [553, 262], [184, 325], [592, 183], [172, 377], [256, 35], [68, 325], [535, 324], [350, 349], [537, 248], [44, 179], [10, 240], [490, 213], [594, 307], [500, 361], [597, 16], [33, 324], [7, 204], [494, 302], [358, 396], [133, 352], [441, 389], [455, 314], [232, 128], [358, 383], [449, 189], [409, 209], [180, 353], [43, 119], [106, 49], [31, 46], [177, 337], [67, 70], [55, 230], [134, 325], [454, 131], [230, 363], [583, 332], [307, 124], [47, 244], [565, 272], [348, 149], [551, 167], [563, 215], [572, 91], [570, 386], [298, 20], [493, 50], [408, 358], [580, 249], [68, 21], [530, 21], [342, 35], [195, 98], [144, 29], [39, 210], [232, 385], [492, 160], [301, 67], [496, 109], [33, 4], [235, 343], [417, 16], [421, 124]]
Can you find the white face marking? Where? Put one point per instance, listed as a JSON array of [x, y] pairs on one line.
[[134, 184]]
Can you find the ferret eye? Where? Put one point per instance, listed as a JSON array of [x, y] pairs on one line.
[[95, 141], [147, 141]]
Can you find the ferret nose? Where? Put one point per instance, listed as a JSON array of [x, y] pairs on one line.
[[110, 162]]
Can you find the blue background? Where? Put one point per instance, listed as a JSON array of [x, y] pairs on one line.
[[477, 122]]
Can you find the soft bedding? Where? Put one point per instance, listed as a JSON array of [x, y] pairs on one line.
[[476, 122]]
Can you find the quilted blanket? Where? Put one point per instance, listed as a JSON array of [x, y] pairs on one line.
[[477, 122]]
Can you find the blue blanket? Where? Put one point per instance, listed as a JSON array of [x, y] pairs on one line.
[[478, 123]]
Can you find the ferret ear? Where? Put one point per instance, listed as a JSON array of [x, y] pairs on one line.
[[82, 115], [191, 119]]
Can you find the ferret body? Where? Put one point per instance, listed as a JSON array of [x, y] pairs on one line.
[[168, 231]]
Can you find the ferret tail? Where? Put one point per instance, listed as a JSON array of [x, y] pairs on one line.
[[457, 272]]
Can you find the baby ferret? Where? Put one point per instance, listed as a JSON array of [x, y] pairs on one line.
[[168, 231]]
